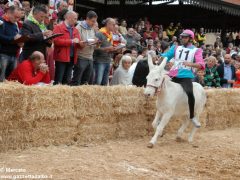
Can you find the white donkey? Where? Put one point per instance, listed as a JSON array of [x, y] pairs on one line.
[[172, 101]]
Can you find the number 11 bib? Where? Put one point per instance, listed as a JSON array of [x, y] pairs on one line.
[[184, 54]]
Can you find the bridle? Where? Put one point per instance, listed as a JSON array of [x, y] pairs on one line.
[[157, 89]]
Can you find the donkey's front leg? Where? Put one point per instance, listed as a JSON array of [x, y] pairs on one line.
[[156, 120], [164, 121]]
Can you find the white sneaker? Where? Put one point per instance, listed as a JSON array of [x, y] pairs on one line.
[[196, 123]]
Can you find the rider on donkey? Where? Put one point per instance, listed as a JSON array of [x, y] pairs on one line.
[[184, 59]]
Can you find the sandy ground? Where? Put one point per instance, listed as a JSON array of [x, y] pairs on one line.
[[214, 155]]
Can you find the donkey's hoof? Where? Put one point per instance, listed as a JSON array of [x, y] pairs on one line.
[[150, 145]]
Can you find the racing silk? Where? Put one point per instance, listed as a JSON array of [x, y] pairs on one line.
[[180, 54]]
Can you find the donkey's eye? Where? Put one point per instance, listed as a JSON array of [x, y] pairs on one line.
[[156, 79]]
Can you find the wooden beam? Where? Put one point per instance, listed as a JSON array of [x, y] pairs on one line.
[[122, 2]]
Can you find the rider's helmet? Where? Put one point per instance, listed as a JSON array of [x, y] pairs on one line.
[[188, 33]]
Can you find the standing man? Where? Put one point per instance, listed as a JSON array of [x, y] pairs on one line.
[[186, 57], [201, 37], [227, 72], [84, 67], [131, 39], [66, 48], [34, 28], [170, 31], [62, 8], [27, 8], [103, 53], [8, 33]]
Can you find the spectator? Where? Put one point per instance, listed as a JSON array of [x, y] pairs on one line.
[[174, 41], [84, 67], [65, 48], [201, 37], [103, 53], [122, 75], [238, 57], [142, 54], [226, 72], [61, 10], [237, 41], [147, 34], [218, 43], [117, 37], [229, 49], [155, 33], [115, 64], [150, 44], [178, 26], [134, 53], [200, 77], [211, 77], [96, 27], [123, 27], [2, 7], [130, 38], [135, 62], [164, 46], [8, 50], [170, 31], [237, 83], [37, 31], [31, 71], [27, 8]]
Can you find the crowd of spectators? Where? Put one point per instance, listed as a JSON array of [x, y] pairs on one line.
[[90, 51]]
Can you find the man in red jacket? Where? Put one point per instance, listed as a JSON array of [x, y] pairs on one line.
[[32, 71], [65, 48]]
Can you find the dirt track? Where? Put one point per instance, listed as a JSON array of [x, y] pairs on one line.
[[215, 155]]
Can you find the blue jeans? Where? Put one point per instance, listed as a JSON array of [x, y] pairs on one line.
[[101, 73], [7, 65]]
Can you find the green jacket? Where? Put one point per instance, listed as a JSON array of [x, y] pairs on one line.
[[211, 77]]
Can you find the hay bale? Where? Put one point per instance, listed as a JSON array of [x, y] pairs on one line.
[[223, 108], [34, 116]]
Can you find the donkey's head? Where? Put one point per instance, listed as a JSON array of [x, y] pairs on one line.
[[155, 78]]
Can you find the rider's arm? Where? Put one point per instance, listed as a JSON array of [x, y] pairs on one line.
[[199, 62], [170, 53], [199, 59]]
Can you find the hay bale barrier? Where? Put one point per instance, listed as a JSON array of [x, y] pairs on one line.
[[42, 116]]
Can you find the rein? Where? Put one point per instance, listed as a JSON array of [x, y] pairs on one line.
[[157, 89]]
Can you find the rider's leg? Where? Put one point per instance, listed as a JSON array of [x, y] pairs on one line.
[[187, 86]]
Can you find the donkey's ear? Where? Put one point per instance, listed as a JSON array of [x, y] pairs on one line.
[[150, 62], [163, 64]]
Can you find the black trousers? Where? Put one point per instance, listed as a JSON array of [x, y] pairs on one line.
[[82, 72], [63, 72], [187, 86]]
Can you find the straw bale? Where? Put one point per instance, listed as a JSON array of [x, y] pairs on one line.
[[89, 133], [41, 116], [91, 100], [55, 103], [12, 103], [223, 108], [133, 126]]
